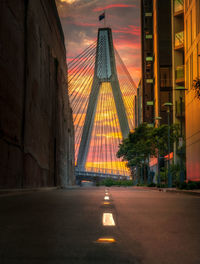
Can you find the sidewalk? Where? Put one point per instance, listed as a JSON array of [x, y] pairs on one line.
[[172, 190]]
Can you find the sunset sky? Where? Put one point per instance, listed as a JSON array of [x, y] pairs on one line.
[[80, 23]]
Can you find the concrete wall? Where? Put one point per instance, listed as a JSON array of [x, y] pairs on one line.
[[36, 129]]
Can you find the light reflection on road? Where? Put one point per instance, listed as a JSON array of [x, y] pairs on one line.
[[108, 219]]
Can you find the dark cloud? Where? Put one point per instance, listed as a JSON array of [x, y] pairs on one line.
[[80, 23]]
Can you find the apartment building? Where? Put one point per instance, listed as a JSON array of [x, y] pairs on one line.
[[156, 79], [192, 103]]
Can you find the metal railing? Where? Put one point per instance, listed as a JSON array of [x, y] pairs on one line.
[[178, 6], [179, 39], [107, 171]]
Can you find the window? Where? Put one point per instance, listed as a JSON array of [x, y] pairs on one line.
[[191, 71], [186, 34], [149, 103], [189, 31], [148, 36], [198, 59], [198, 16], [187, 75], [148, 14], [149, 80], [186, 4], [149, 58], [193, 28]]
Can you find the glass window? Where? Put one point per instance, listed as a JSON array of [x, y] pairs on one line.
[[148, 14], [198, 16], [149, 80], [186, 4], [198, 59], [149, 58], [148, 36], [193, 28], [186, 34], [187, 75], [190, 29], [191, 70]]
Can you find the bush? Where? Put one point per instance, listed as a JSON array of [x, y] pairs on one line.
[[110, 182], [127, 183], [161, 185], [107, 182], [189, 186], [151, 184]]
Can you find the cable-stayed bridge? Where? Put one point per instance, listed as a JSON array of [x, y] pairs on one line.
[[101, 93]]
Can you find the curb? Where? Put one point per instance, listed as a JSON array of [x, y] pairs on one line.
[[189, 192], [11, 192], [184, 192]]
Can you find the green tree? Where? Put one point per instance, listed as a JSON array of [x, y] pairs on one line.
[[137, 148], [160, 138], [144, 142]]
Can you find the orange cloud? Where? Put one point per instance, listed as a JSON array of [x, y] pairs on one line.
[[122, 43], [132, 30], [98, 9], [82, 24]]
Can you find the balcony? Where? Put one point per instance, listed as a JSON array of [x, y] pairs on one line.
[[178, 7], [179, 40], [180, 76]]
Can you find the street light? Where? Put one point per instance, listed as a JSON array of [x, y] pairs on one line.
[[182, 173], [158, 160], [168, 104]]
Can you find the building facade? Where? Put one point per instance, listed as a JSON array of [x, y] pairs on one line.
[[147, 80], [138, 106], [156, 81], [162, 58], [192, 103], [178, 77], [36, 128]]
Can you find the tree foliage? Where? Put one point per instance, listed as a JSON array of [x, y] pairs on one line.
[[196, 87], [146, 141]]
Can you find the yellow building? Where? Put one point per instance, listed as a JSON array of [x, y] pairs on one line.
[[192, 71], [178, 75]]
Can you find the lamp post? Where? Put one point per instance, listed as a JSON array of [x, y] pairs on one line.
[[182, 174], [168, 104], [158, 160]]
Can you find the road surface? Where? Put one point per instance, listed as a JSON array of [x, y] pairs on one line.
[[80, 225]]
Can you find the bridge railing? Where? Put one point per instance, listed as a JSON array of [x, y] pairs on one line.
[[107, 171]]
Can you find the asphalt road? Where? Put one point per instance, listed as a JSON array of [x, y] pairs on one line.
[[64, 227]]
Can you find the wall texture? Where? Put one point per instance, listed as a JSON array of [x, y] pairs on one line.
[[36, 128]]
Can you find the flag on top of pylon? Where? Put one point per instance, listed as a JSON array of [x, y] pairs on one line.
[[102, 16]]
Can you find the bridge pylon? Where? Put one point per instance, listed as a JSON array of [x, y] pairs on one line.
[[105, 71]]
